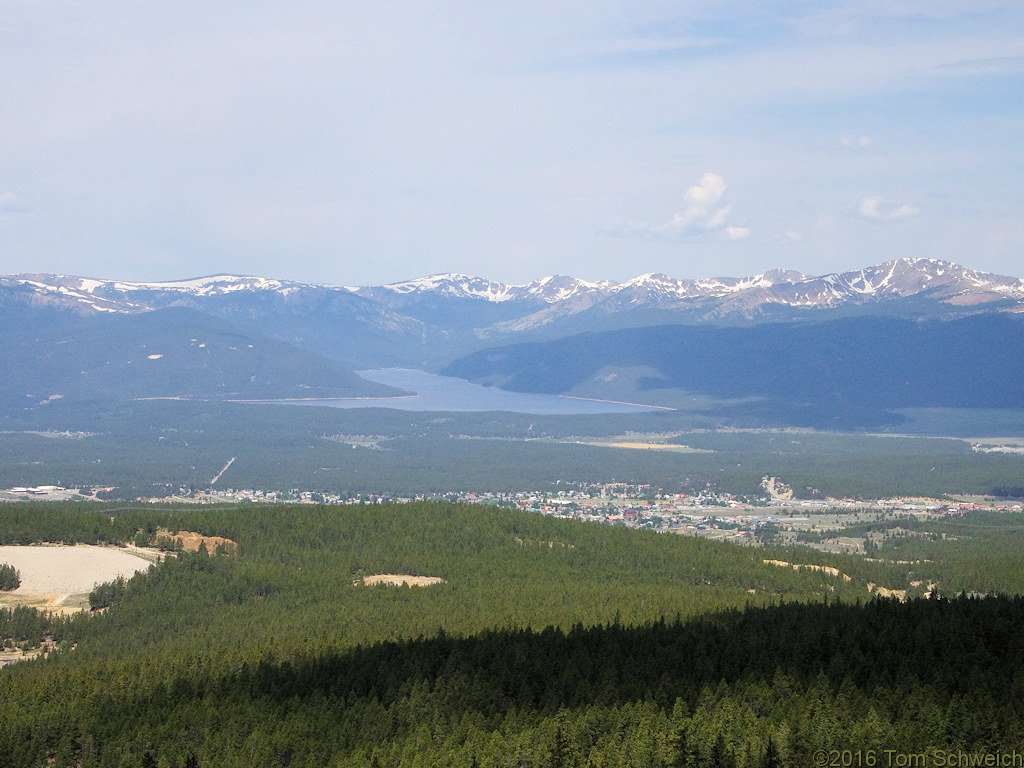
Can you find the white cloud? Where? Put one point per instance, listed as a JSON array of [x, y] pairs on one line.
[[846, 143], [860, 143], [702, 211], [880, 209]]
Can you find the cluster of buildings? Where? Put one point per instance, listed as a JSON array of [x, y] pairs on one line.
[[705, 513]]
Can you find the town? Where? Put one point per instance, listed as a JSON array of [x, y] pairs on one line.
[[748, 520]]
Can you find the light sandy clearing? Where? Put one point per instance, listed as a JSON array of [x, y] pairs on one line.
[[810, 567], [11, 656], [62, 570], [671, 447], [400, 579], [191, 541]]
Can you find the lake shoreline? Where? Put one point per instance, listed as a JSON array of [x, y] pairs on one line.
[[434, 392]]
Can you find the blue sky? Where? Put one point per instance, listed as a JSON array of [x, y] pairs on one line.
[[374, 142]]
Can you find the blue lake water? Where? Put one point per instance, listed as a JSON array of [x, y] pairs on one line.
[[444, 393]]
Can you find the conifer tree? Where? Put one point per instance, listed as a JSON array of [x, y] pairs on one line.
[[10, 577]]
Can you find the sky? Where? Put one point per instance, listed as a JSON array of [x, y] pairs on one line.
[[367, 143]]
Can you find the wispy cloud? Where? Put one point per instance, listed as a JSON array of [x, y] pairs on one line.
[[846, 143], [702, 210], [9, 203], [880, 209], [993, 65], [659, 45]]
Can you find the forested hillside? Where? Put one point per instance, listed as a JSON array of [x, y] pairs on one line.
[[549, 643], [109, 360], [838, 372]]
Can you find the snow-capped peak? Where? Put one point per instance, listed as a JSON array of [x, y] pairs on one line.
[[204, 286], [552, 288], [450, 284], [555, 295], [555, 288]]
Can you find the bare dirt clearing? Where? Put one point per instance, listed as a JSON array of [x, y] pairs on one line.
[[191, 541], [671, 447], [59, 578], [399, 579], [810, 567]]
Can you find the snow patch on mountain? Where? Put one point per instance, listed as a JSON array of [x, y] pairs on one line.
[[206, 286], [550, 289], [548, 298]]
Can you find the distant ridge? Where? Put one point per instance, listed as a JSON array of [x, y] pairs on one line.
[[428, 321], [900, 278], [840, 350]]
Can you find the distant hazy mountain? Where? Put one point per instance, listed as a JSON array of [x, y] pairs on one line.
[[941, 280], [166, 353], [936, 288], [397, 323], [830, 368], [432, 321], [328, 320]]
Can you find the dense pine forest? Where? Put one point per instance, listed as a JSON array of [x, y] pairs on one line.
[[549, 643], [151, 448]]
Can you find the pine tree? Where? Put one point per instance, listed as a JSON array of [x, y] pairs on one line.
[[771, 757], [10, 578]]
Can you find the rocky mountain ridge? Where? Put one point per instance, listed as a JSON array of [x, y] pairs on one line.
[[841, 350], [423, 321], [903, 277]]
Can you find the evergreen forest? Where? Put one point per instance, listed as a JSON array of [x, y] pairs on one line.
[[548, 643], [146, 449]]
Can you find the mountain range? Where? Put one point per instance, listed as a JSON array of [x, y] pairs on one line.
[[949, 285], [718, 298], [280, 338]]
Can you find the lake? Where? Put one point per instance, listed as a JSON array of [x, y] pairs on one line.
[[444, 393]]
